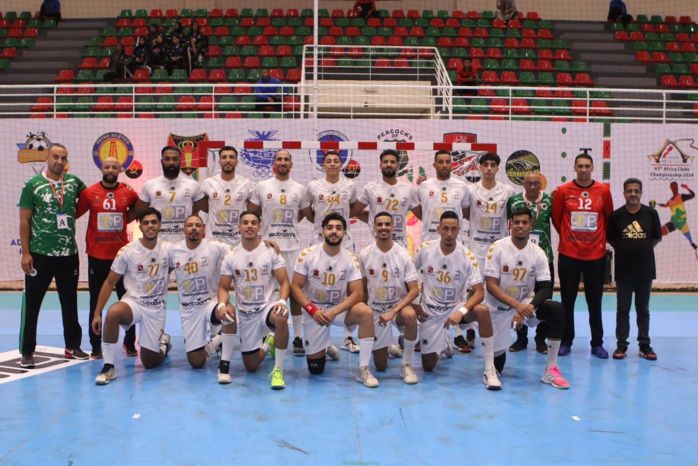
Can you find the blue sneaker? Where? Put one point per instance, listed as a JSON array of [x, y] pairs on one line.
[[564, 350], [599, 351]]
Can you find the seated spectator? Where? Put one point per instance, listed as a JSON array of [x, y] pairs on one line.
[[175, 55], [506, 10], [158, 53], [366, 8], [467, 77], [177, 31], [118, 65], [618, 12], [268, 97], [50, 9], [153, 33], [140, 57]]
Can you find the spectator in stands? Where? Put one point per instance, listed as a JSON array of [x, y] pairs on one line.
[[50, 9], [195, 32], [141, 55], [467, 77], [153, 33], [177, 31], [196, 47], [175, 55], [158, 53], [268, 97], [118, 65], [506, 10], [618, 12], [366, 8]]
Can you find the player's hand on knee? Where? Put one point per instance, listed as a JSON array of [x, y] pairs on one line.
[[385, 319], [453, 320], [280, 308], [322, 318], [226, 314]]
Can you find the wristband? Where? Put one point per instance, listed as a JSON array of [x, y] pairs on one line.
[[218, 308], [311, 309], [463, 310], [282, 302]]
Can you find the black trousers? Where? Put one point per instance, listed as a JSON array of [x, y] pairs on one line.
[[541, 329], [594, 271], [97, 275], [65, 270], [625, 289]]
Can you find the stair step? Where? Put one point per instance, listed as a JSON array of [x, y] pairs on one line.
[[72, 35], [588, 26], [41, 55], [618, 69], [607, 57], [587, 36], [598, 46], [626, 82]]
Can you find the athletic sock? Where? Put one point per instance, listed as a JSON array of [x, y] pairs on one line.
[[109, 351], [297, 326], [228, 340], [553, 347], [488, 351], [280, 356], [265, 348], [214, 329], [408, 355], [365, 349]]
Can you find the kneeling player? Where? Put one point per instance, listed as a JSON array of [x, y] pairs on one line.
[[321, 278], [521, 268], [253, 267], [448, 268], [390, 283], [144, 266], [196, 263]]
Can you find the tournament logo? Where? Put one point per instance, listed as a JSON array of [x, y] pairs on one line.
[[521, 163], [262, 160], [399, 135], [189, 146], [330, 136], [672, 161], [465, 161], [34, 149], [113, 145]]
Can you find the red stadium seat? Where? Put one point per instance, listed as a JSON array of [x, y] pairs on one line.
[[669, 80], [186, 103], [499, 106], [509, 78], [490, 78], [197, 75], [600, 108], [520, 107], [217, 75]]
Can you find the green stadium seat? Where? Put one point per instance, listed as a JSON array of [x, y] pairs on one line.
[[479, 106], [488, 14], [546, 78], [540, 106], [427, 14], [561, 107], [579, 67], [4, 64], [124, 14], [510, 64], [159, 75], [186, 13], [26, 42], [562, 66]]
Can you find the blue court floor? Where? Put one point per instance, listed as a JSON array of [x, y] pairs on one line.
[[625, 412]]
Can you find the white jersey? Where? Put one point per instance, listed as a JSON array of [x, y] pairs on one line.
[[145, 272], [488, 217], [326, 197], [280, 202], [445, 278], [396, 199], [226, 201], [174, 199], [518, 270], [386, 275], [253, 276], [197, 272], [439, 196], [327, 277]]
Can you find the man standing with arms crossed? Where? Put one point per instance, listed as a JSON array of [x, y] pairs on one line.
[[47, 209], [283, 203], [581, 209], [111, 207], [633, 231]]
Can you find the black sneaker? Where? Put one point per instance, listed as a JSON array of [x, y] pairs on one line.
[[27, 361], [131, 350], [75, 353], [518, 345], [648, 353], [298, 349], [96, 354], [541, 347], [459, 342], [620, 353]]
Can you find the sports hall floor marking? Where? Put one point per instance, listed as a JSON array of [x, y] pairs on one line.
[[47, 359]]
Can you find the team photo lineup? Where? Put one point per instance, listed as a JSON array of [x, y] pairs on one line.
[[485, 266]]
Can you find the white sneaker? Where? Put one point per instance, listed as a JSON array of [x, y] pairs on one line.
[[394, 352], [491, 379], [409, 376], [107, 374], [332, 353], [365, 377], [224, 373], [350, 345], [167, 341]]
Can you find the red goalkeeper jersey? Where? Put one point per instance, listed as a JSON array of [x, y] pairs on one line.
[[106, 228], [580, 216]]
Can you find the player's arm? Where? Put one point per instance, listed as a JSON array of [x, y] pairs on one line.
[[543, 292], [196, 207], [557, 209], [611, 232], [82, 206], [25, 220], [308, 213], [104, 295], [466, 213], [364, 283], [475, 297], [254, 207], [140, 205], [319, 316], [204, 205], [417, 211], [412, 293], [493, 288], [225, 312], [284, 285], [357, 209], [608, 205], [689, 196], [355, 293]]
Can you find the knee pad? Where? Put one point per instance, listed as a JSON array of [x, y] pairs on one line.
[[499, 361], [316, 366]]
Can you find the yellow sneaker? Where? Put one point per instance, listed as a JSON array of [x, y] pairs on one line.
[[277, 379]]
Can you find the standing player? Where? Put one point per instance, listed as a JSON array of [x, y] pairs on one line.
[[519, 289], [541, 206], [327, 283], [283, 203], [389, 194], [333, 194], [437, 196], [111, 206], [196, 263], [581, 209], [487, 215], [254, 268], [174, 195], [448, 268], [47, 232], [226, 196], [144, 266], [390, 281], [633, 231]]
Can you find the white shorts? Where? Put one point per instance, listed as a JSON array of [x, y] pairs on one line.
[[195, 325], [317, 337], [251, 328], [290, 258], [501, 326], [152, 324], [384, 334], [432, 334]]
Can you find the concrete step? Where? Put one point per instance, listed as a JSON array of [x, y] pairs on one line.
[[28, 78], [626, 82], [61, 45], [618, 69], [587, 36], [38, 55], [85, 34], [77, 24], [607, 57], [597, 47], [34, 67], [582, 26]]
